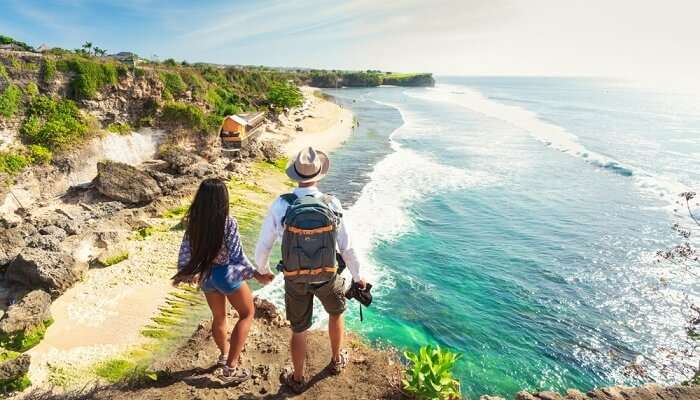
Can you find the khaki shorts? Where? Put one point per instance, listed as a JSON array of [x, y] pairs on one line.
[[299, 301]]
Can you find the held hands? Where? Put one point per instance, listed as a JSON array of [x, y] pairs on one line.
[[264, 279]]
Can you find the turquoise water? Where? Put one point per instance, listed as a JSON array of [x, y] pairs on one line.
[[516, 221]]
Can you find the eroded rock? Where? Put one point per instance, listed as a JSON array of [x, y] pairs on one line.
[[11, 243], [14, 368], [126, 183], [51, 271], [30, 312]]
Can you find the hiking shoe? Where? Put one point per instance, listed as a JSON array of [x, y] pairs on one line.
[[288, 379], [233, 375], [221, 362], [336, 367]]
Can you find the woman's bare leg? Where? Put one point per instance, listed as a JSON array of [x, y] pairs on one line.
[[219, 325], [242, 302]]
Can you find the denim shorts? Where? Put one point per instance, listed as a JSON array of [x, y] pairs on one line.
[[221, 280]]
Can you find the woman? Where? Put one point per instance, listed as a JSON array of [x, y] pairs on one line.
[[211, 255]]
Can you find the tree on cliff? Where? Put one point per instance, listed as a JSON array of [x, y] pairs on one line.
[[283, 95]]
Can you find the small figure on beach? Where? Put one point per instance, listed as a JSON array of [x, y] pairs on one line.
[[314, 238], [211, 255]]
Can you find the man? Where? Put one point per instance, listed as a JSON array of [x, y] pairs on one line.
[[312, 229]]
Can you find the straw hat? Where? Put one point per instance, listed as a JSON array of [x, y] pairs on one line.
[[310, 165]]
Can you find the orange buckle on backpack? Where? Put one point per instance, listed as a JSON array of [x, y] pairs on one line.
[[299, 231], [314, 271]]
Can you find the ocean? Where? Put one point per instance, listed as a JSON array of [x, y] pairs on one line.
[[517, 221]]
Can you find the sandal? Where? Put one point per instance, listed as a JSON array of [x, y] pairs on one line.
[[336, 367], [288, 379], [233, 375]]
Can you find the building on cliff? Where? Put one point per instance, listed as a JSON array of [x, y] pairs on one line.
[[237, 130]]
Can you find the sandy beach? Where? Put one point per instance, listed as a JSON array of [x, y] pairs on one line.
[[325, 125]]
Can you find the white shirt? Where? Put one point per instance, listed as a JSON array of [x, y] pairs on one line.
[[272, 229]]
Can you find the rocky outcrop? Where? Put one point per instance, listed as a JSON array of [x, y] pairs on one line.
[[182, 161], [11, 243], [14, 368], [28, 314], [54, 272], [125, 183], [645, 392]]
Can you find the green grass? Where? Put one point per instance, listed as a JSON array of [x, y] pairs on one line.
[[63, 377], [176, 212], [119, 128], [238, 185], [3, 73], [10, 101], [173, 83], [12, 162], [39, 154], [116, 259], [156, 333], [48, 70], [122, 370], [90, 77], [15, 385], [23, 341]]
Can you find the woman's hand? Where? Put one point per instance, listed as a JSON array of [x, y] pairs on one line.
[[264, 279], [188, 280]]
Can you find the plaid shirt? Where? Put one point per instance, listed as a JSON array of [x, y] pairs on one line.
[[231, 253]]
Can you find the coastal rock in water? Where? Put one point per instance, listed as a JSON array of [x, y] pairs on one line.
[[51, 271], [645, 392], [11, 243], [27, 314], [126, 183], [14, 368]]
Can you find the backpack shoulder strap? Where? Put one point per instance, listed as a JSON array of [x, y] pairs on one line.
[[290, 198], [329, 200]]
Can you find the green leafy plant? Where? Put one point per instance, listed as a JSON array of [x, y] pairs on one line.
[[285, 95], [39, 154], [12, 162], [119, 128], [10, 100], [54, 124], [48, 70], [430, 374], [173, 83], [90, 76]]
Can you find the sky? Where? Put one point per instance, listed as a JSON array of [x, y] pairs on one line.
[[617, 38]]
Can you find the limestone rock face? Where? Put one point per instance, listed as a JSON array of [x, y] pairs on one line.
[[126, 183], [11, 243], [28, 313], [54, 272], [182, 161]]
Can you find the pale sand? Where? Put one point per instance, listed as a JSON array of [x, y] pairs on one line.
[[102, 316], [326, 125]]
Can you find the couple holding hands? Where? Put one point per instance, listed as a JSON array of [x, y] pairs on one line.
[[315, 241]]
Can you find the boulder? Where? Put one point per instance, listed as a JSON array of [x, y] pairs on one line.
[[126, 183], [51, 271], [15, 366], [11, 243], [44, 242], [180, 160], [53, 231], [27, 314], [270, 151]]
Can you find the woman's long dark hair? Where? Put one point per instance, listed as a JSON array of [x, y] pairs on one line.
[[206, 223]]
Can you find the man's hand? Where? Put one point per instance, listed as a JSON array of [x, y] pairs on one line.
[[362, 283], [264, 279]]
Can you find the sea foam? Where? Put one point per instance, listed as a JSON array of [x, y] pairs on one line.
[[554, 136]]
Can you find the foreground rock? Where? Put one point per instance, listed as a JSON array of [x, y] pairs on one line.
[[645, 392], [126, 183], [51, 271], [26, 315]]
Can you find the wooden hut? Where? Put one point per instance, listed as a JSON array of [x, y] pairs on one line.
[[237, 130]]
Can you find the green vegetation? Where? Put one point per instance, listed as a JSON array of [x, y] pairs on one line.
[[177, 212], [23, 341], [20, 45], [13, 163], [187, 115], [90, 75], [332, 79], [116, 259], [10, 100], [3, 73], [62, 377], [39, 154], [119, 128], [285, 95], [122, 370], [173, 82], [430, 374], [31, 90], [15, 385], [54, 124], [48, 70]]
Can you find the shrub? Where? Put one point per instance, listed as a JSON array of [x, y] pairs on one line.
[[285, 95], [48, 71], [31, 89], [10, 100], [3, 72], [119, 128], [90, 77], [430, 374], [39, 154], [184, 115], [54, 124], [173, 83], [13, 163]]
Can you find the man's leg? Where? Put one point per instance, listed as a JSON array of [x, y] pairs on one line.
[[298, 354], [336, 332]]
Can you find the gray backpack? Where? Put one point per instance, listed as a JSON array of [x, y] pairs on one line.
[[309, 239]]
